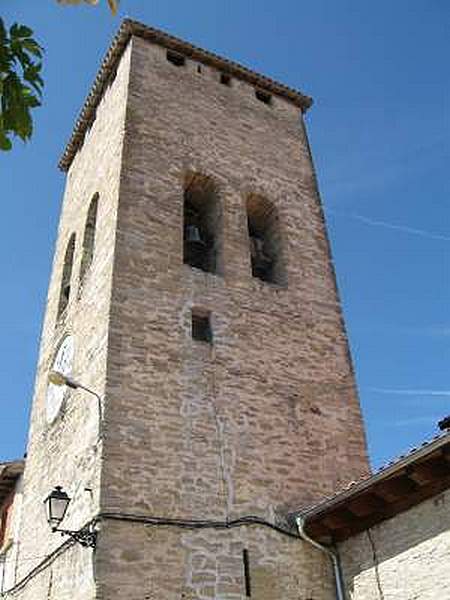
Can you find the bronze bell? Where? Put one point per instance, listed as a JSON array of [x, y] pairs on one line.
[[193, 235], [257, 249]]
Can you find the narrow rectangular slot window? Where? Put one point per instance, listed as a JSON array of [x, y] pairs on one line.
[[263, 96], [225, 79], [201, 328], [176, 59], [248, 587]]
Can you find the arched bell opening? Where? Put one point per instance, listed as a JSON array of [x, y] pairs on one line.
[[266, 251], [202, 224], [66, 279], [89, 238]]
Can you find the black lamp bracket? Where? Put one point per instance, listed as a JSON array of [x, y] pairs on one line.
[[87, 536]]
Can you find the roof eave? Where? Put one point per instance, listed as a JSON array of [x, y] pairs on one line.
[[319, 513], [131, 28], [9, 473]]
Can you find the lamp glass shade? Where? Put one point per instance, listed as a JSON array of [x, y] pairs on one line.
[[57, 378], [56, 505]]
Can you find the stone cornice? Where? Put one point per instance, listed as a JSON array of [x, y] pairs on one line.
[[131, 28]]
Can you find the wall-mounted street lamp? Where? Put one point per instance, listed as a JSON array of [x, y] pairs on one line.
[[56, 505], [60, 379]]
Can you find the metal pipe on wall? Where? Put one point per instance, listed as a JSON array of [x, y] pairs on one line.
[[340, 594]]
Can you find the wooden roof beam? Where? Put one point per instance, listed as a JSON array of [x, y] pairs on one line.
[[338, 519], [429, 471], [367, 504], [395, 488]]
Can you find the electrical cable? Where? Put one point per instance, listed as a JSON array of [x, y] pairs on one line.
[[9, 561], [196, 523], [376, 564], [48, 560], [149, 520]]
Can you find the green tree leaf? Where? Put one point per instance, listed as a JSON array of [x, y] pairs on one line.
[[113, 4], [20, 82]]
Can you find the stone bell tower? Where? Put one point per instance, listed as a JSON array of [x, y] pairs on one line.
[[193, 289]]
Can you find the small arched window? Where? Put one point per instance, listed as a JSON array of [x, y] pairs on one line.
[[202, 224], [265, 240], [89, 238], [64, 293]]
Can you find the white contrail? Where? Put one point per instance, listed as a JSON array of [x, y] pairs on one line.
[[416, 421], [435, 331], [410, 392], [404, 228]]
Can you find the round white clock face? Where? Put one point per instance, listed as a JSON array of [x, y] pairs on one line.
[[62, 364]]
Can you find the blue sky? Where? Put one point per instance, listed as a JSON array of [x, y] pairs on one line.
[[379, 130]]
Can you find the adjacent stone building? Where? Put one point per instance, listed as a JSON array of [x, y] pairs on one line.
[[193, 298], [10, 517], [391, 531]]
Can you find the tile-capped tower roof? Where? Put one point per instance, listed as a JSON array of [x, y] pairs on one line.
[[131, 28]]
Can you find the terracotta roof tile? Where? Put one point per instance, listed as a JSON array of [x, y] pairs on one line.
[[388, 469]]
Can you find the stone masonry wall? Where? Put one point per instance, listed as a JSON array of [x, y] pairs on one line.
[[67, 452], [404, 558], [10, 547], [163, 563], [267, 417]]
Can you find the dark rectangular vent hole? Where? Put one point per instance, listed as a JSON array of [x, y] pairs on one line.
[[225, 79], [201, 328], [263, 96], [248, 587], [176, 59]]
